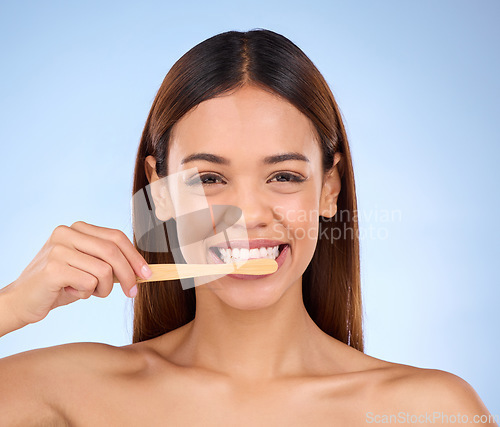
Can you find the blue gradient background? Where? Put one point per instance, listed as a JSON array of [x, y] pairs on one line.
[[418, 86]]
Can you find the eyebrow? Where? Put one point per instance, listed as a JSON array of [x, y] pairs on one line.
[[207, 157], [269, 160], [283, 157]]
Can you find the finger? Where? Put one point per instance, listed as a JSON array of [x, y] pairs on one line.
[[104, 249], [95, 266], [79, 283], [135, 259]]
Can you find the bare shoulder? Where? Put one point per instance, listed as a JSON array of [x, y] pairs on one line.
[[77, 357], [421, 390], [390, 388], [40, 383]]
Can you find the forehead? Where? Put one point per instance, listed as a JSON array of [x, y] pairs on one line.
[[244, 126]]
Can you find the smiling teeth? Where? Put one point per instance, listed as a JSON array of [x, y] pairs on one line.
[[237, 254]]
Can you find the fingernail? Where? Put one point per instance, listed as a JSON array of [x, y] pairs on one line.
[[133, 291], [146, 271]]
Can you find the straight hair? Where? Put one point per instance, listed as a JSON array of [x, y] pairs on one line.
[[331, 283]]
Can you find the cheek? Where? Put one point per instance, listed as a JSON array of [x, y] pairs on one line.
[[300, 218]]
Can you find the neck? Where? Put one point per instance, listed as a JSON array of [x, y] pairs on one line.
[[265, 343]]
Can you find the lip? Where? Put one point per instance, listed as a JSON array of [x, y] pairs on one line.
[[280, 260]]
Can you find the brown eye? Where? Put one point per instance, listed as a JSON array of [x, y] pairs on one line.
[[205, 179], [209, 179], [288, 177]]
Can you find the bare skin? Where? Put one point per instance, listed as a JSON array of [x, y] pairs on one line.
[[87, 384], [252, 356]]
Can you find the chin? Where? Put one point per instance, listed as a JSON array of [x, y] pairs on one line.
[[256, 294], [246, 296]]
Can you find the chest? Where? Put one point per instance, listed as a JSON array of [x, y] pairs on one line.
[[188, 401]]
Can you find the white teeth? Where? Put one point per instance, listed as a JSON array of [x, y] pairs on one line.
[[254, 253], [238, 254], [244, 253]]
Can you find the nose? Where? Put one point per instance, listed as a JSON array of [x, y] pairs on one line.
[[256, 208]]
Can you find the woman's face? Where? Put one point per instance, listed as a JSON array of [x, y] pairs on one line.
[[279, 201]]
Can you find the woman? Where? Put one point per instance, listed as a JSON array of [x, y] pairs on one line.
[[255, 117]]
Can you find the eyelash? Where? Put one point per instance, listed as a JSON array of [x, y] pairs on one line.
[[294, 179]]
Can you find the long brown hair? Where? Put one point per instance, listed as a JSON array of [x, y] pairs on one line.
[[224, 62]]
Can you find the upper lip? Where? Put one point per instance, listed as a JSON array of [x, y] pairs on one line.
[[250, 244]]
